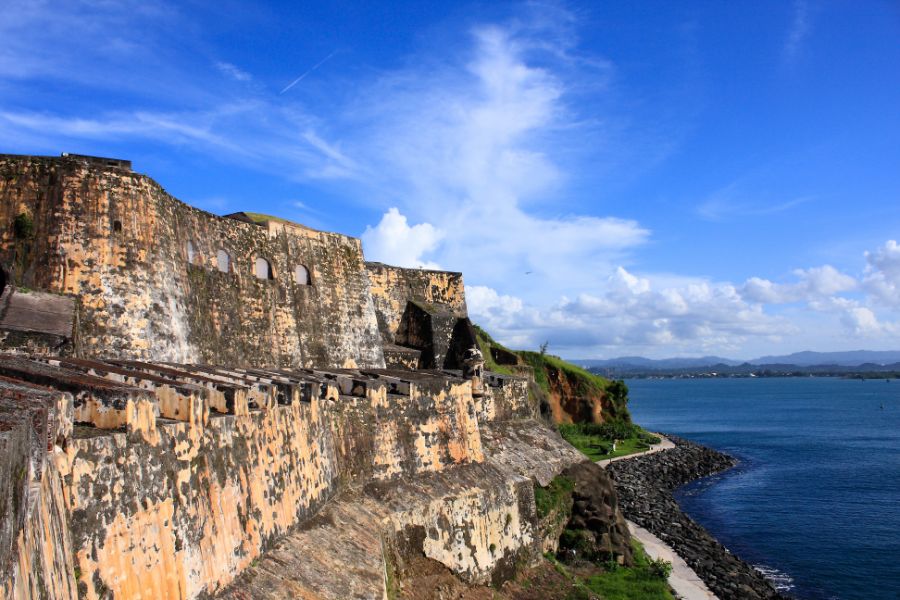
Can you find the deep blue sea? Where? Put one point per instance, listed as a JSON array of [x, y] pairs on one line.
[[815, 501]]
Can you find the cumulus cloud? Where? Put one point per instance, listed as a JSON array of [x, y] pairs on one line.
[[473, 148], [811, 284], [882, 274], [395, 242], [633, 314]]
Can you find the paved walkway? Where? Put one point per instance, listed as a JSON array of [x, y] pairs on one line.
[[684, 580], [686, 583], [664, 444]]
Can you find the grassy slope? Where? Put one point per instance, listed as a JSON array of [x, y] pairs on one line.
[[595, 442], [643, 581], [590, 576]]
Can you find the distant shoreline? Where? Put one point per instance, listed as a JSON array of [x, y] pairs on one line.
[[860, 375]]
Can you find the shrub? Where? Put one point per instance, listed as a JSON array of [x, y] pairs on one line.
[[556, 496], [660, 568], [23, 226]]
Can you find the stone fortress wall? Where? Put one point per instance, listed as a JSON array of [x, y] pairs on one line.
[[158, 279], [300, 466]]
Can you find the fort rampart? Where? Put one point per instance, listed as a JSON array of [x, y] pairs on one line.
[[158, 279], [300, 466]]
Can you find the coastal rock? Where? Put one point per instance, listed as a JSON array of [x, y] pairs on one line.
[[595, 511], [645, 485]]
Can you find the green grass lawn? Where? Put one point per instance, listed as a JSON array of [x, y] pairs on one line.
[[596, 442], [646, 580]]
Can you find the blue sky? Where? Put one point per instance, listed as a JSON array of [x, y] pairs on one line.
[[656, 178]]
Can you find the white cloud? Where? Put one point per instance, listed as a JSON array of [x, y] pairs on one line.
[[882, 275], [632, 315], [471, 148], [395, 242], [234, 72], [812, 284]]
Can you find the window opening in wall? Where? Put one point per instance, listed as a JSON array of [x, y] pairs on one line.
[[263, 269], [2, 280], [301, 275], [223, 261], [117, 226], [191, 252]]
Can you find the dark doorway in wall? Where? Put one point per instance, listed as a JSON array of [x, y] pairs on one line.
[[3, 280], [117, 226]]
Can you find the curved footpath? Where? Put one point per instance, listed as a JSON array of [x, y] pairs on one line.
[[702, 569], [686, 583]]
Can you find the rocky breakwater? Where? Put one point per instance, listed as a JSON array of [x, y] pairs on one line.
[[645, 485]]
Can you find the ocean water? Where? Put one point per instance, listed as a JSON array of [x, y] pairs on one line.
[[815, 502]]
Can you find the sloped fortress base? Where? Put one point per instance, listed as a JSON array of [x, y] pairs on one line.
[[176, 479]]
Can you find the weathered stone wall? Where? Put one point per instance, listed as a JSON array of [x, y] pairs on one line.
[[186, 512], [179, 509], [117, 241], [505, 398], [393, 287], [35, 544], [182, 493]]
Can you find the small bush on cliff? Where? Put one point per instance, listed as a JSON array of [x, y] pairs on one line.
[[23, 226], [555, 497], [643, 581]]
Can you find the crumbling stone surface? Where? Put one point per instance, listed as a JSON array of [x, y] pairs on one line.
[[529, 449], [35, 544], [393, 287], [120, 243], [187, 493]]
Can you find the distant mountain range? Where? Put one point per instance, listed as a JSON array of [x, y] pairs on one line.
[[853, 358]]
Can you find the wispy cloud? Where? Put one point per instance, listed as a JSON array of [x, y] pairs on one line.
[[474, 149], [725, 206], [234, 72], [801, 26]]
